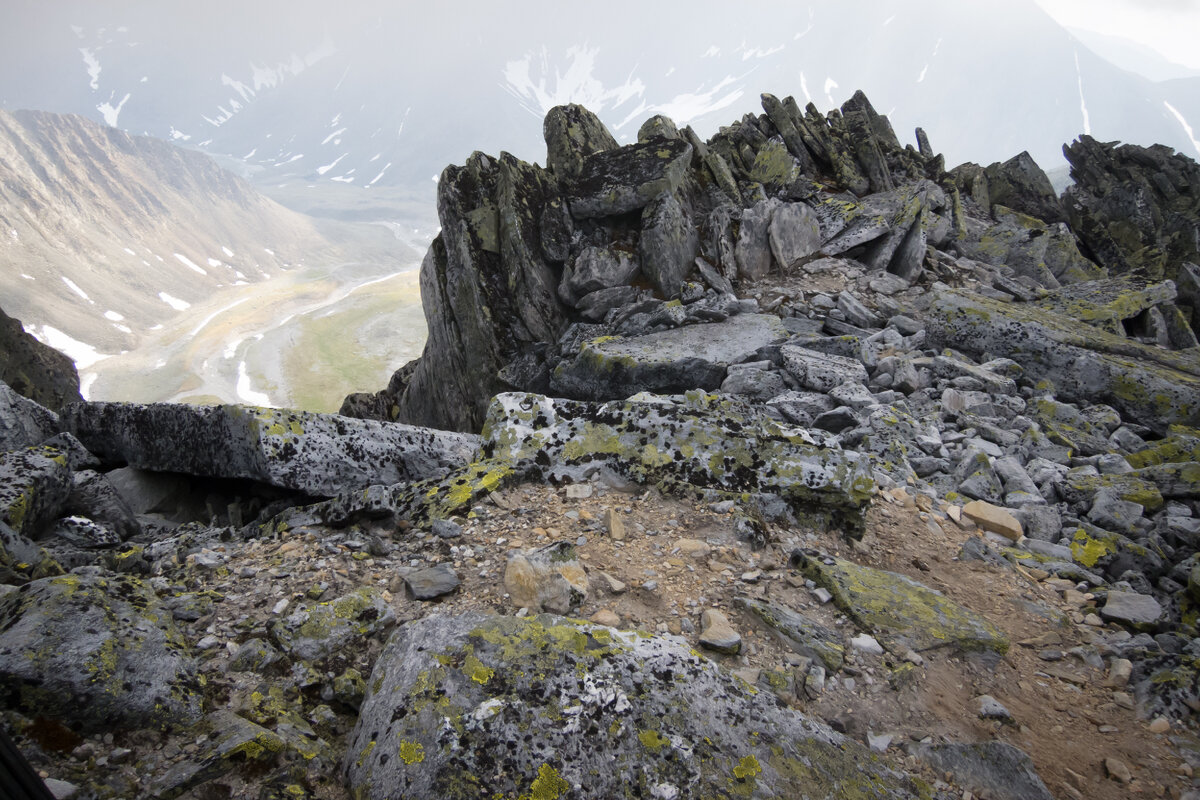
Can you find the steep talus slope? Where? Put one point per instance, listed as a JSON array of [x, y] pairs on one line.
[[124, 218]]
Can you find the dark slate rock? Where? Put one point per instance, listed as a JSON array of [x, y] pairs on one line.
[[599, 268], [94, 496], [1020, 183], [623, 180], [594, 307], [35, 370], [668, 245], [23, 423], [646, 712]]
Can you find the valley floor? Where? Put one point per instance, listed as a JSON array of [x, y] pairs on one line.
[[302, 339]]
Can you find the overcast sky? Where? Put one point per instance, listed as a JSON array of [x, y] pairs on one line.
[[1172, 27]]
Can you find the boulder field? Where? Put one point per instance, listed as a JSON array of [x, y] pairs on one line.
[[783, 464]]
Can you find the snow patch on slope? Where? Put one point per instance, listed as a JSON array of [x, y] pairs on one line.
[[111, 112], [82, 353], [192, 265], [1087, 122], [1186, 127]]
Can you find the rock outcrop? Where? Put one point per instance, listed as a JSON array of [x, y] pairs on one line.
[[35, 370]]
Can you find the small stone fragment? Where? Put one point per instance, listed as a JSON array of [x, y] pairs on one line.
[[717, 634], [1117, 770], [606, 617], [1160, 725], [431, 583], [991, 708], [614, 525], [993, 518], [867, 644]]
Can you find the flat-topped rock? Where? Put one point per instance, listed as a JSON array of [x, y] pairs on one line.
[[320, 454], [691, 357]]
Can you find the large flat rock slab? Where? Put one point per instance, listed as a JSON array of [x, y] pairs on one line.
[[597, 713], [691, 357], [319, 454]]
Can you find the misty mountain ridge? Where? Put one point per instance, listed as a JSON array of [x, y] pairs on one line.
[[374, 98]]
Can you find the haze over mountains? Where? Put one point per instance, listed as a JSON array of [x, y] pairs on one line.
[[375, 94], [313, 104]]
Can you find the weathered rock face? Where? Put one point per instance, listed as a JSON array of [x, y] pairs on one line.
[[598, 713], [508, 229], [488, 290], [34, 370], [1020, 184], [619, 181], [319, 454], [572, 134], [1134, 207], [96, 651]]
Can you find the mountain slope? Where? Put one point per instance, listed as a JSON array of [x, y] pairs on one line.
[[104, 235], [367, 95]]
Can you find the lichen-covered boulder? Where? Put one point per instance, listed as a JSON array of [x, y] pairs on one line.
[[572, 134], [694, 442], [96, 651], [313, 633], [597, 713], [1020, 184], [668, 244], [319, 454], [900, 611], [805, 636], [1156, 387], [23, 423], [1046, 253], [691, 357], [34, 486], [619, 181]]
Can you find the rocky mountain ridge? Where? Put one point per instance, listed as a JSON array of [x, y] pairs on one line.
[[872, 478]]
